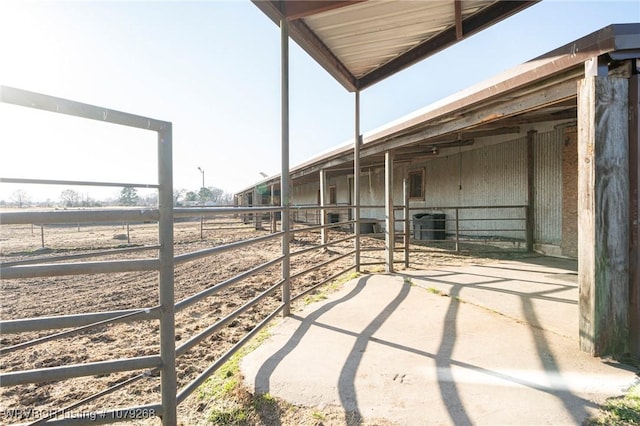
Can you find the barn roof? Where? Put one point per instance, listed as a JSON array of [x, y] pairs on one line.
[[542, 89], [360, 42]]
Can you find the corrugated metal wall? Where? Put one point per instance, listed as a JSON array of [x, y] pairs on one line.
[[548, 187], [489, 175]]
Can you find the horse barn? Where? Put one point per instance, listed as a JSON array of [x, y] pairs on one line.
[[542, 157], [540, 160]]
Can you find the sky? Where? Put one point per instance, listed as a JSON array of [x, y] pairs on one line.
[[212, 68]]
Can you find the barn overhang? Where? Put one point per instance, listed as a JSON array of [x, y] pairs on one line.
[[597, 74], [361, 43], [540, 90]]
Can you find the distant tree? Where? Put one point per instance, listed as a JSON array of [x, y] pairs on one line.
[[177, 196], [204, 195], [212, 195], [150, 199], [20, 198], [226, 199], [191, 197], [69, 198], [128, 196]]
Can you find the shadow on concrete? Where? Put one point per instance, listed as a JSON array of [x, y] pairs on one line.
[[484, 285], [346, 382], [446, 383], [262, 379], [533, 305], [550, 366], [575, 405]]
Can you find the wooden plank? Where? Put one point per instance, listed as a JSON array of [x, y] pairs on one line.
[[457, 12], [491, 112], [603, 200], [570, 193], [634, 180]]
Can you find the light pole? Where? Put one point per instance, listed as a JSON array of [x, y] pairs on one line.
[[202, 171], [202, 217]]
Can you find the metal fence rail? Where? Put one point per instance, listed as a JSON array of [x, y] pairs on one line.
[[163, 263], [322, 227]]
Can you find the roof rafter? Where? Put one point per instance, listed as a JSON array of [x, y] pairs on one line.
[[473, 24], [296, 9]]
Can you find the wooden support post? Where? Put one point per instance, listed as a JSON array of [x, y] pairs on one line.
[[634, 180], [530, 214], [258, 201], [389, 215], [603, 215], [323, 203]]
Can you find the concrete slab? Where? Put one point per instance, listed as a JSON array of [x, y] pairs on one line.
[[540, 291], [385, 348]]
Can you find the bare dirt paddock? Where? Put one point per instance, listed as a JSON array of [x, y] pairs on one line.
[[54, 296]]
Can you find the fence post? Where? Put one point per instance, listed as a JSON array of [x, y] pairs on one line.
[[42, 234], [128, 236], [323, 212], [457, 230], [407, 231], [389, 212], [356, 182], [284, 175], [168, 380]]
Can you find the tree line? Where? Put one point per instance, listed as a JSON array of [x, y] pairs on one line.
[[128, 196]]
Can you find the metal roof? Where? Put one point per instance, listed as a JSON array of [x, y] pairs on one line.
[[543, 89], [362, 42]]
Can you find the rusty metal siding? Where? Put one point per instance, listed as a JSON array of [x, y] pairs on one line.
[[490, 175], [547, 178]]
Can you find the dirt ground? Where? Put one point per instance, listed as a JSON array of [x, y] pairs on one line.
[[54, 296]]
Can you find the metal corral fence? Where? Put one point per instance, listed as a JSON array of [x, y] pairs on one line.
[[163, 264], [337, 219]]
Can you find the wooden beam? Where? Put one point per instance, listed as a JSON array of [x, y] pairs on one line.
[[492, 112], [634, 180], [296, 9], [457, 12], [603, 215], [568, 114]]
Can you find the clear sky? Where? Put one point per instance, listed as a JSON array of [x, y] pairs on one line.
[[212, 69]]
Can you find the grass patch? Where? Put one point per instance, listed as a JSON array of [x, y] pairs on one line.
[[226, 399], [316, 296], [323, 291], [435, 291], [623, 411]]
